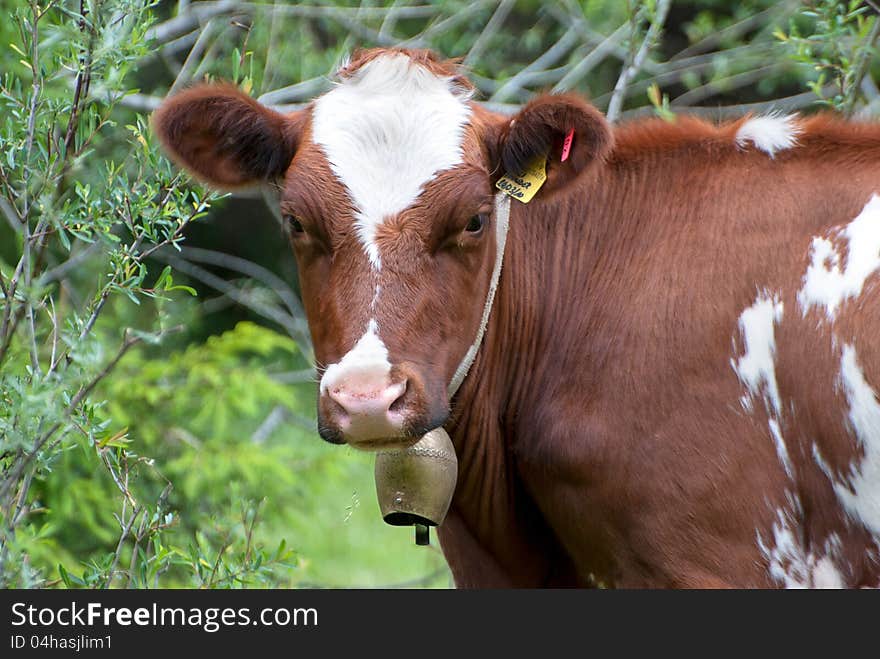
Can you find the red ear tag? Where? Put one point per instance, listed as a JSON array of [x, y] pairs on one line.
[[566, 145]]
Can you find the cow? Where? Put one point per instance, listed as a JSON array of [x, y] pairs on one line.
[[677, 382]]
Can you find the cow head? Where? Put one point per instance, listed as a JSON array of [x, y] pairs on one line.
[[386, 188]]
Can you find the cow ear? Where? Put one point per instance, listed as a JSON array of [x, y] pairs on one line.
[[226, 138], [541, 128]]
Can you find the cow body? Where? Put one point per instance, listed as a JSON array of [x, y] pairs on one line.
[[676, 387], [638, 422]]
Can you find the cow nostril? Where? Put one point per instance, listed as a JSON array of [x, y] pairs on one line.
[[399, 403], [366, 399], [335, 402]]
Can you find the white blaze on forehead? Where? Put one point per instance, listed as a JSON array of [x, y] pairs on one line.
[[756, 368], [770, 134], [386, 131], [860, 494], [368, 357], [825, 283]]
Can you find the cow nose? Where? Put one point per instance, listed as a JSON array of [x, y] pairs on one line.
[[368, 411], [367, 399]]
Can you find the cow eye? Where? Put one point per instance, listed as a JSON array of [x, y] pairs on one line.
[[476, 223], [294, 223]]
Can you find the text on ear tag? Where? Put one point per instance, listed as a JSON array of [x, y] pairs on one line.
[[524, 186]]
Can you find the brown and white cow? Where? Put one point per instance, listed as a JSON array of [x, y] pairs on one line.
[[677, 383]]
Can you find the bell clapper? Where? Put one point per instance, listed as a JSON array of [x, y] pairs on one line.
[[423, 535]]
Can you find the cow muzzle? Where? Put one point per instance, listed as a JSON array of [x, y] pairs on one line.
[[367, 412], [377, 410]]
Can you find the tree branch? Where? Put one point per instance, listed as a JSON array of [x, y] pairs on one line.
[[629, 71]]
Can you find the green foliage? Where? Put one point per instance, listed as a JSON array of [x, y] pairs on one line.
[[836, 40], [223, 499], [64, 199]]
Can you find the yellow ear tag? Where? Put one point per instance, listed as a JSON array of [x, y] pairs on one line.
[[524, 186]]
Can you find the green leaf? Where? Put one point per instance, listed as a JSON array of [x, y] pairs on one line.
[[164, 277], [65, 577], [181, 287]]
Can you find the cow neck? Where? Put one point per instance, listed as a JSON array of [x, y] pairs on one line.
[[502, 222]]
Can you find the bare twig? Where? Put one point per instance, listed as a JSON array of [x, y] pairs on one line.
[[280, 415], [139, 535], [549, 57], [32, 336], [53, 316], [251, 269], [140, 102], [185, 22], [122, 487], [268, 69], [199, 12], [26, 261], [575, 17], [492, 26], [295, 377], [193, 57], [440, 27], [11, 215], [630, 70], [737, 29], [249, 526], [61, 270], [22, 499], [274, 419], [725, 85], [226, 544], [287, 321], [390, 20], [693, 65], [596, 56], [122, 537], [298, 92], [785, 104], [83, 77]]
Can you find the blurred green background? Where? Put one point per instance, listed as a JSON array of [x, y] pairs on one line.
[[194, 460]]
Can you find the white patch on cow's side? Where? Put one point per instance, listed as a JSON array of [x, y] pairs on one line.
[[369, 356], [860, 494], [375, 299], [781, 449], [820, 461], [790, 563], [826, 575], [756, 368], [825, 283], [386, 131], [770, 134]]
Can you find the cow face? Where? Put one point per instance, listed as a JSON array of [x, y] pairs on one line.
[[386, 189]]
